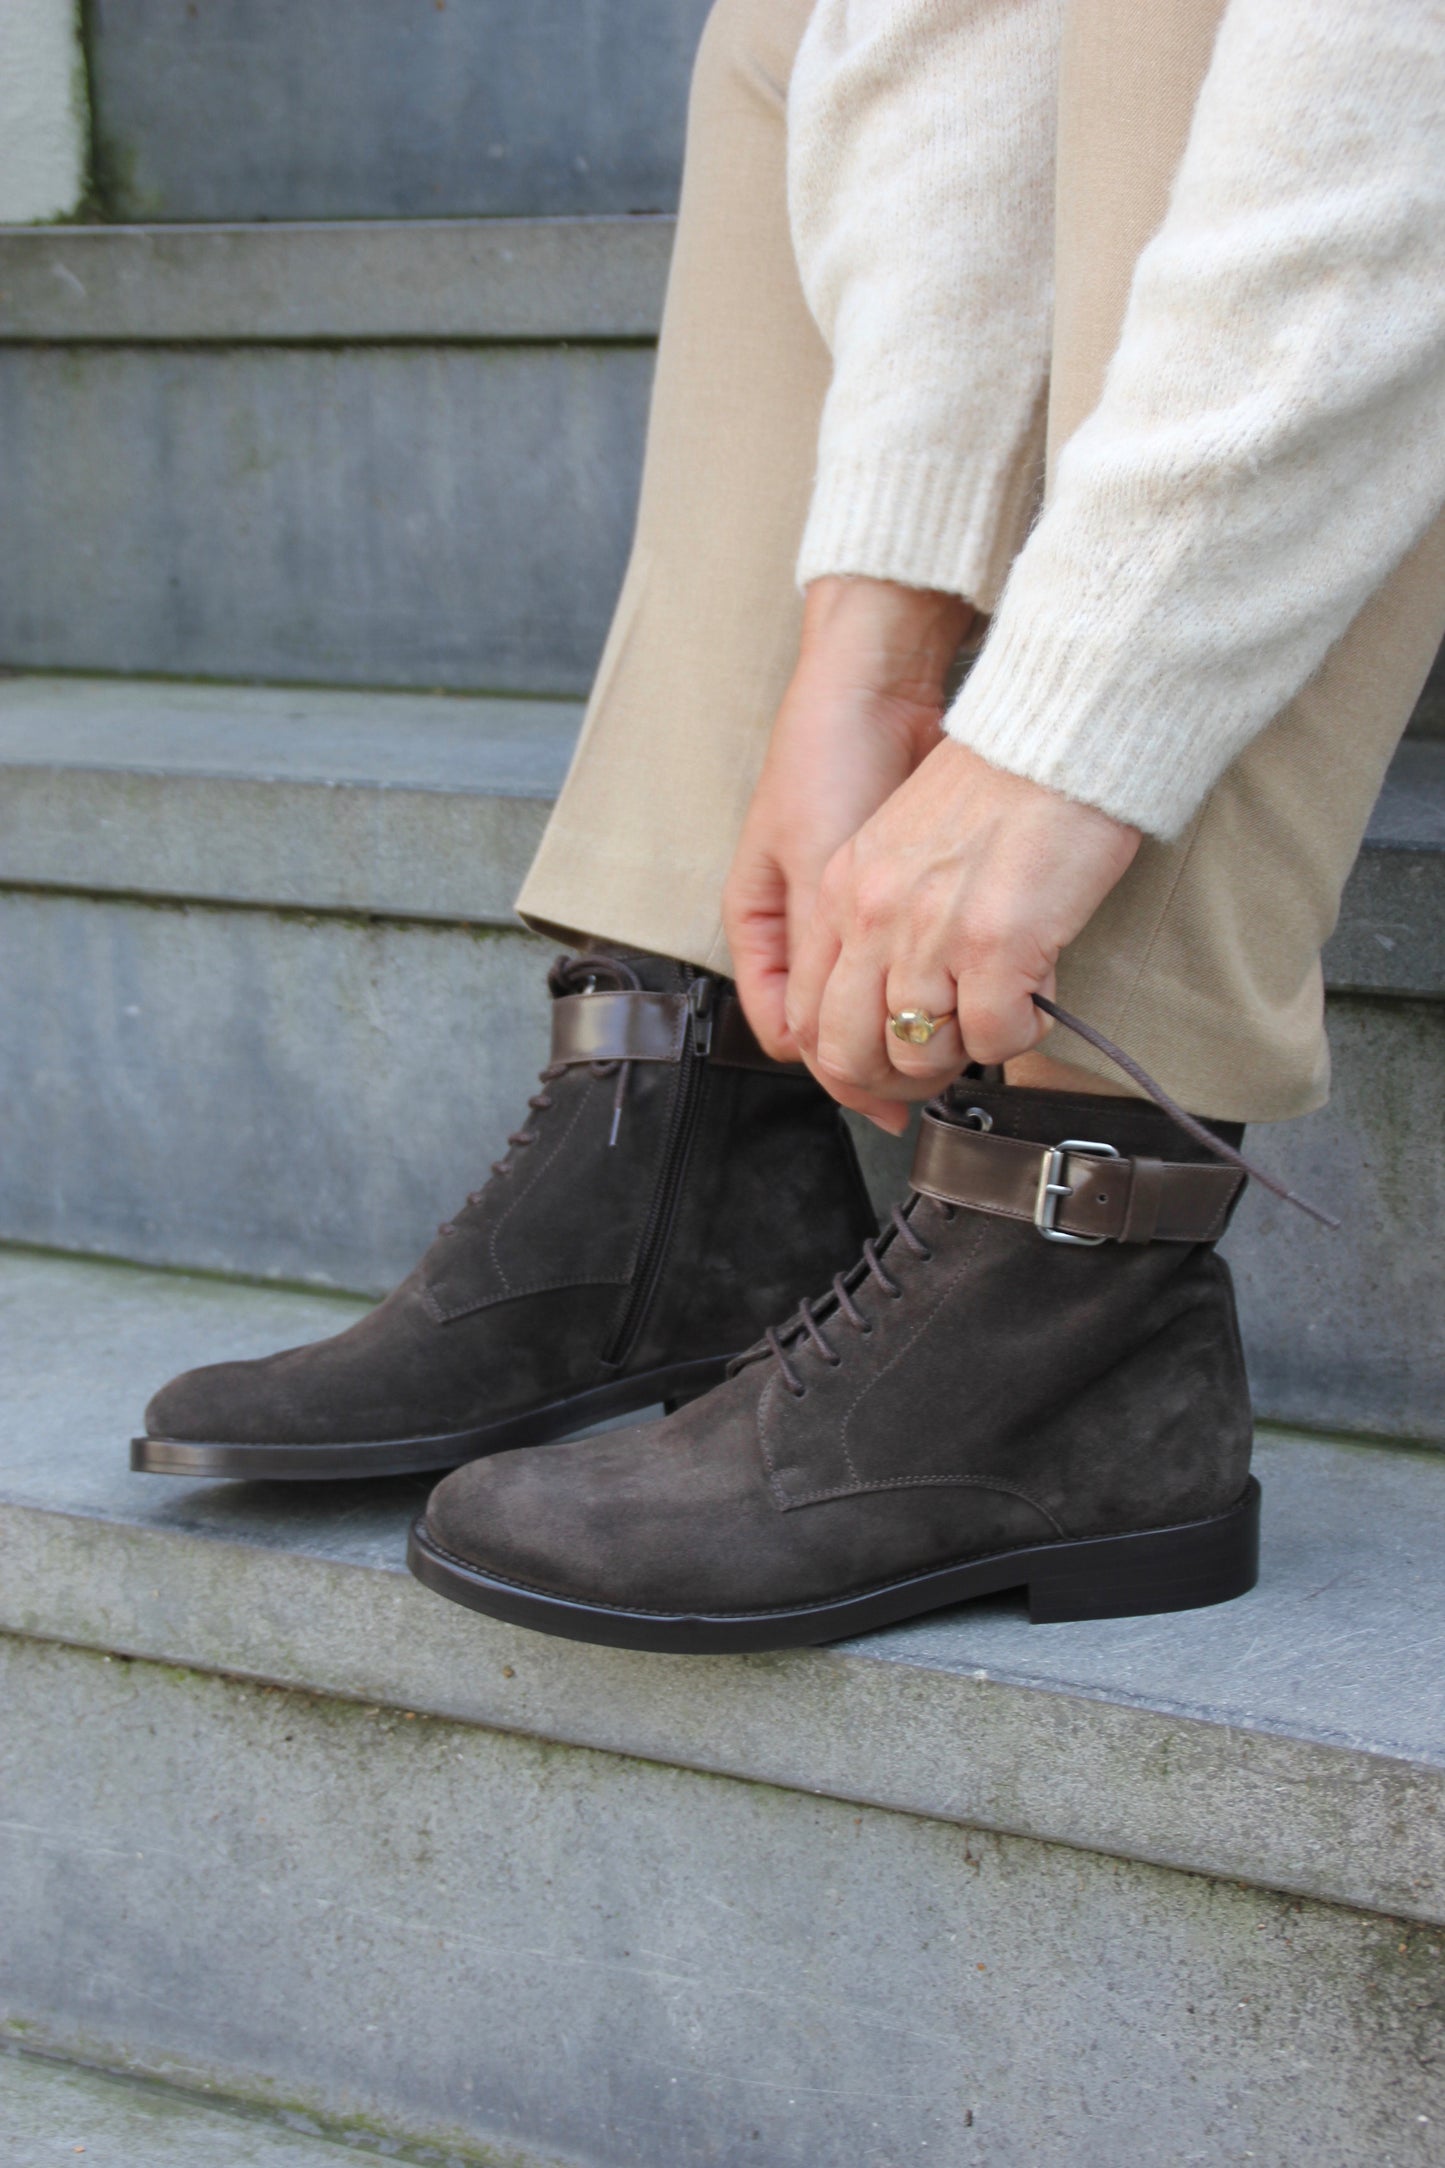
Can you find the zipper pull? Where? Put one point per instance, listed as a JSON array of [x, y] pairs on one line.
[[624, 1071], [700, 1000]]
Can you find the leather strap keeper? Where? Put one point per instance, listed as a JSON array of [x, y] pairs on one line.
[[634, 1026], [1118, 1200]]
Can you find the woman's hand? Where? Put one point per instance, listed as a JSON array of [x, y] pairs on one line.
[[958, 895], [863, 708]]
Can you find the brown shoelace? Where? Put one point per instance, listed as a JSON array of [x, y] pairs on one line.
[[1187, 1122], [573, 974], [872, 1267], [805, 1324]]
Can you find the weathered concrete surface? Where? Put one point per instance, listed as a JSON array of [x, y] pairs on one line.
[[519, 278], [256, 109], [51, 2111], [302, 1097], [1295, 1738], [390, 515], [416, 805], [644, 1967], [1347, 1331], [43, 111], [345, 801]]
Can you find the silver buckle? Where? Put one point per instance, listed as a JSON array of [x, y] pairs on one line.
[[1051, 1189]]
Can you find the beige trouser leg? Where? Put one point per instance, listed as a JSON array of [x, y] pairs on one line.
[[1204, 962], [706, 630]]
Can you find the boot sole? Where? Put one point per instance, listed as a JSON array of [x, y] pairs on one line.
[[432, 1455], [1160, 1569]]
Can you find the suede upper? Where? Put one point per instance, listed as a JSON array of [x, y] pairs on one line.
[[523, 1298], [991, 1390]]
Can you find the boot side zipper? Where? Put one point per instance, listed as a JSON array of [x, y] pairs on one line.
[[662, 1212]]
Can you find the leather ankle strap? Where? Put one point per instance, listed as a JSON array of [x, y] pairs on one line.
[[1075, 1191], [636, 1026]]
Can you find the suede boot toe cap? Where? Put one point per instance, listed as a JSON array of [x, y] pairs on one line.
[[269, 1402], [217, 1404]]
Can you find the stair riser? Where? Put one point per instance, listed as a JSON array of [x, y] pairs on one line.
[[1344, 1330], [254, 1092], [253, 109], [589, 1955], [408, 516], [303, 1097]]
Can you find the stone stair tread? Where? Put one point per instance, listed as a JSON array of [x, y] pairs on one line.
[[52, 2111], [425, 741], [405, 803], [1295, 1738], [353, 279], [345, 800], [288, 734]]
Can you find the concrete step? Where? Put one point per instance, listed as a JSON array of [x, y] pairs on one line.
[[443, 499], [53, 2112], [362, 1010], [161, 419], [389, 804], [366, 282], [1163, 1891], [261, 109], [299, 1018]]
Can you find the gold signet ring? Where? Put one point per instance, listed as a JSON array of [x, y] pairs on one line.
[[916, 1025]]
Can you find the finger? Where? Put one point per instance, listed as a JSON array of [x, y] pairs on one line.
[[852, 1028], [756, 909], [890, 1114], [802, 901], [811, 965], [996, 1014], [935, 1061]]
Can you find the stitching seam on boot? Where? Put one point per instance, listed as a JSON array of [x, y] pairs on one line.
[[524, 1187]]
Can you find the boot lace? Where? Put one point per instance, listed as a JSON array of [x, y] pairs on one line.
[[571, 975], [805, 1329]]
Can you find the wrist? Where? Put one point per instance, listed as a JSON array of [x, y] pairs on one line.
[[877, 636]]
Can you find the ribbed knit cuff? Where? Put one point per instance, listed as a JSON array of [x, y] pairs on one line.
[[953, 526], [1078, 715]]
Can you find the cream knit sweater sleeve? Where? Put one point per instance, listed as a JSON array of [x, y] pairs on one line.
[[921, 181], [1271, 436]]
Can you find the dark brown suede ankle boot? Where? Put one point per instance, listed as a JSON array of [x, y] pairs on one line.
[[1032, 1381], [674, 1190]]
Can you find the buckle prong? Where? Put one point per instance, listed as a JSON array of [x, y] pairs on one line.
[[1052, 1188]]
